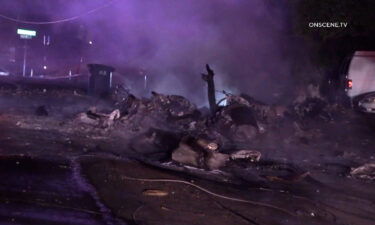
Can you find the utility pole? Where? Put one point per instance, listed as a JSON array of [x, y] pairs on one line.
[[25, 34], [24, 58]]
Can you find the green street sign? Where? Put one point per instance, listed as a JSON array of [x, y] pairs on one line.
[[25, 32]]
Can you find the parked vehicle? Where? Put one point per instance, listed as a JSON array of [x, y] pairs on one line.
[[4, 72], [367, 103], [360, 80]]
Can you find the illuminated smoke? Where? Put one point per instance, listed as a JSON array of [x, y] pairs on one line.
[[244, 41]]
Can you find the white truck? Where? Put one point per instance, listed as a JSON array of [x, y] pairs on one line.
[[360, 81]]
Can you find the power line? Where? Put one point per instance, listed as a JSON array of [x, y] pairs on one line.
[[58, 21]]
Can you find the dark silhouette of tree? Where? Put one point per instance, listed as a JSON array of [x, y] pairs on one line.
[[332, 44]]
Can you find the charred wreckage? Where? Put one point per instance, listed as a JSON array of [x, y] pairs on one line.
[[169, 129]]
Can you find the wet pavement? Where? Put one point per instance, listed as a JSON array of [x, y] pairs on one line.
[[318, 198], [41, 191], [103, 189]]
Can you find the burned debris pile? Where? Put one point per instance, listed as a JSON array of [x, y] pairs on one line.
[[102, 120], [171, 128], [366, 171]]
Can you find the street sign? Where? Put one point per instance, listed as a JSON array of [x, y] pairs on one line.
[[25, 32], [24, 36]]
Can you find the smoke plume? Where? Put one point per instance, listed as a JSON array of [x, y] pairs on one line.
[[243, 41]]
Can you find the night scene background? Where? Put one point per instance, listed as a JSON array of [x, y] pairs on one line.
[[187, 112]]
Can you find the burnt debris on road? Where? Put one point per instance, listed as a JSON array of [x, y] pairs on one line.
[[235, 151]]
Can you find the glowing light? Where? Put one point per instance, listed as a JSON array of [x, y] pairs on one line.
[[350, 83], [26, 32], [212, 146], [45, 67], [222, 98], [90, 42]]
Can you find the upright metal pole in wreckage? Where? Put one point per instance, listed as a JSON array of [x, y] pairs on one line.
[[209, 78]]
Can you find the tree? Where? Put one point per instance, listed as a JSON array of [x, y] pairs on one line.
[[333, 44]]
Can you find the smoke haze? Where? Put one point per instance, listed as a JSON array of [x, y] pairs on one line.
[[245, 42]]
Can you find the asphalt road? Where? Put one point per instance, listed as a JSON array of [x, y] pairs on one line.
[[48, 192], [93, 189]]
